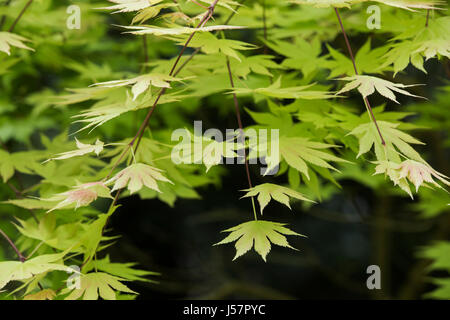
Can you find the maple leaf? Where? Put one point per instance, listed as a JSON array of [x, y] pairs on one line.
[[368, 136], [367, 84], [301, 55], [158, 31], [325, 3], [8, 39], [82, 150], [258, 234], [205, 150], [95, 284], [275, 91], [122, 270], [267, 191], [18, 161], [81, 195], [17, 270], [210, 44], [129, 5], [151, 12], [366, 59], [439, 252], [296, 152], [136, 176], [433, 48], [418, 173], [140, 83], [46, 294], [390, 169], [409, 4]]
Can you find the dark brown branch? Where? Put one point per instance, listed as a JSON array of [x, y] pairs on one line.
[[3, 19], [20, 16], [241, 133], [428, 17], [19, 254], [264, 25], [350, 51]]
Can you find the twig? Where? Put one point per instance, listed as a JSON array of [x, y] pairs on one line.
[[19, 254], [198, 49], [20, 16], [3, 19], [366, 101], [241, 134], [428, 17], [264, 25]]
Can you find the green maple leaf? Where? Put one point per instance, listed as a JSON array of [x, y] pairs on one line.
[[439, 252], [8, 39], [95, 284], [16, 270], [367, 135], [141, 83], [268, 191], [210, 153], [367, 60], [258, 234], [410, 5], [367, 85], [130, 5], [159, 31], [18, 161], [151, 12], [136, 176], [325, 3], [275, 91], [210, 44], [259, 64], [297, 152], [82, 150], [442, 291], [121, 270], [302, 55]]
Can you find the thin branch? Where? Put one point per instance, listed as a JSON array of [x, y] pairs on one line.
[[205, 19], [3, 19], [198, 49], [172, 72], [20, 15], [264, 25], [428, 17], [241, 134], [350, 51], [19, 254]]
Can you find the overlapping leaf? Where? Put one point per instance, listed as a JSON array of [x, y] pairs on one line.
[[268, 191], [258, 234]]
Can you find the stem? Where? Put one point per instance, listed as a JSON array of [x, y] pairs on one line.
[[198, 49], [428, 17], [20, 16], [19, 254], [242, 137], [264, 24], [3, 19], [205, 19], [172, 72], [350, 51]]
